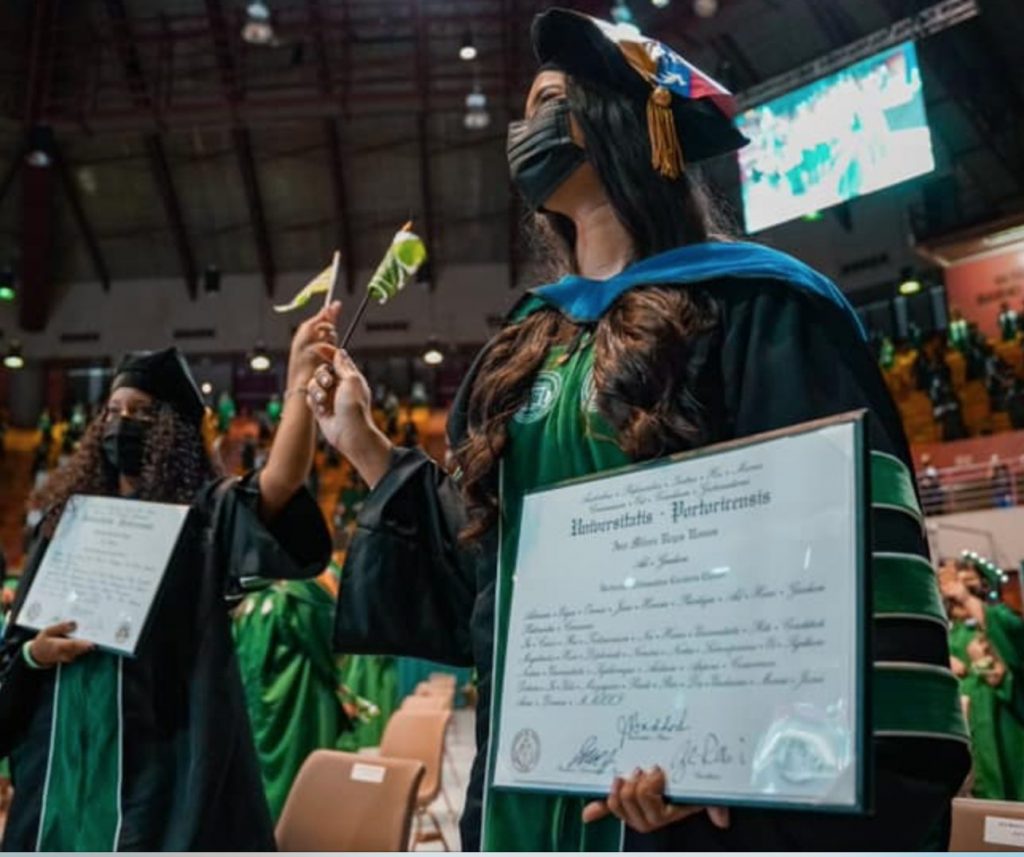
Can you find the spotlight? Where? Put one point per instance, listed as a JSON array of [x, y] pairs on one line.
[[13, 358], [910, 285], [477, 116], [260, 360], [433, 356], [38, 158], [467, 52], [705, 8], [621, 13], [206, 388], [257, 29]]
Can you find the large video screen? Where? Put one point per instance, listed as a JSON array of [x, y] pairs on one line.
[[851, 133]]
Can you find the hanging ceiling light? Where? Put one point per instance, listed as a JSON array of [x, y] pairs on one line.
[[477, 116], [433, 356], [467, 51], [705, 8], [260, 360], [909, 284], [13, 358], [207, 388], [660, 4], [257, 29], [7, 285], [38, 158], [621, 13]]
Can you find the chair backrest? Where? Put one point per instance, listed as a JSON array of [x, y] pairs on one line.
[[347, 802], [425, 703], [418, 735], [987, 825]]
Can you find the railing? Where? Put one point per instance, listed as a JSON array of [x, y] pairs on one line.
[[970, 487]]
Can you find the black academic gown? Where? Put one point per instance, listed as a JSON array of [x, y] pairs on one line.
[[190, 777], [779, 356]]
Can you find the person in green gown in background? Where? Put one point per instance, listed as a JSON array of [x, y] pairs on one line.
[[225, 411], [8, 588], [369, 679], [291, 677], [986, 643]]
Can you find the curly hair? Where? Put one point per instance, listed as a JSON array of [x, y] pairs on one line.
[[642, 345], [175, 467]]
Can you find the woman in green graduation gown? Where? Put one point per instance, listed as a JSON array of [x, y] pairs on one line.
[[154, 752], [660, 337], [291, 677], [986, 643]]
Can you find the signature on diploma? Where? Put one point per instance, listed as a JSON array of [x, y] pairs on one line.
[[591, 758], [703, 757], [638, 727]]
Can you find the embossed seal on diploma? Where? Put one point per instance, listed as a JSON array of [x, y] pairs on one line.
[[525, 750]]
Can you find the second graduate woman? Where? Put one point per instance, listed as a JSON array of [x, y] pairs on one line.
[[661, 336], [155, 752]]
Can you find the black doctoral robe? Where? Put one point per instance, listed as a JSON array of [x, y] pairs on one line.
[[780, 355], [187, 775]]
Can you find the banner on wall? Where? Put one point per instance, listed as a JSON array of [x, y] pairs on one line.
[[978, 287]]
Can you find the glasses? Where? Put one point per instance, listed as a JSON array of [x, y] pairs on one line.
[[140, 413]]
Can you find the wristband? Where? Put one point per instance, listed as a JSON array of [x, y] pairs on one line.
[[27, 656]]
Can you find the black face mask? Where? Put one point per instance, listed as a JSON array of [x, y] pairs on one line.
[[542, 153], [124, 445]]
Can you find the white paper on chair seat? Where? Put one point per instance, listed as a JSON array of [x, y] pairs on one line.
[[368, 773], [1004, 831]]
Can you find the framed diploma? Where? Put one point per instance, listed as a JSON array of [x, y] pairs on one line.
[[706, 613], [103, 569]]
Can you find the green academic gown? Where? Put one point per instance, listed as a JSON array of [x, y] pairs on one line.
[[787, 348], [375, 679], [291, 679], [9, 585], [155, 752], [996, 714]]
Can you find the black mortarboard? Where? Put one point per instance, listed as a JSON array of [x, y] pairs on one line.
[[689, 115], [164, 375]]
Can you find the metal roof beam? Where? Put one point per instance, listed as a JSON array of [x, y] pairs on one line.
[[254, 198], [423, 128], [342, 218], [156, 154], [92, 245], [927, 22], [232, 85]]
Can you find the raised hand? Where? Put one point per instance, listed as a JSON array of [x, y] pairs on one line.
[[340, 398]]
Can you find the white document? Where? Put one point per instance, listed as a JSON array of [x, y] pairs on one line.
[[103, 569], [1004, 831], [704, 615]]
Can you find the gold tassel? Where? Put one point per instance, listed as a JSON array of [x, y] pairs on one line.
[[666, 151]]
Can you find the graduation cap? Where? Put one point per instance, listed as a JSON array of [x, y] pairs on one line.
[[689, 115], [165, 376], [993, 576]]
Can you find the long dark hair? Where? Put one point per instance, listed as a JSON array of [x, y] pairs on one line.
[[175, 466], [642, 344]]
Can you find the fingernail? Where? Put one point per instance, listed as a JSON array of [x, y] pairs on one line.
[[639, 772], [72, 626]]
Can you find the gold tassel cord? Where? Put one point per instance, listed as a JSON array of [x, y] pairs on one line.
[[666, 151]]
